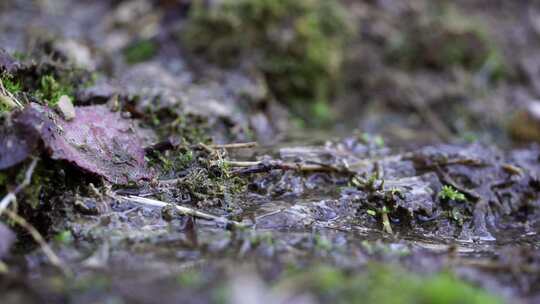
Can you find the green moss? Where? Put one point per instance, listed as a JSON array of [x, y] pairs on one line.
[[385, 284], [449, 193], [50, 90], [298, 45], [140, 51], [192, 129], [11, 84]]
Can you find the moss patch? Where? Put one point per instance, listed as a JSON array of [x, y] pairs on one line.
[[384, 284], [298, 45], [50, 90]]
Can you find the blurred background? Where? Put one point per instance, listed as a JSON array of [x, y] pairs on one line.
[[391, 73], [413, 71]]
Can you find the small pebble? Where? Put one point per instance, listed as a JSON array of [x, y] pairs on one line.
[[66, 108]]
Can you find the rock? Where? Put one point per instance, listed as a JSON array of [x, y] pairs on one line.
[[65, 107]]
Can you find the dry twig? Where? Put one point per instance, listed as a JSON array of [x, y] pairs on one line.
[[183, 210], [246, 145], [250, 167]]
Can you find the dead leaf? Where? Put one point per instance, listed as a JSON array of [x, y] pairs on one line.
[[96, 140]]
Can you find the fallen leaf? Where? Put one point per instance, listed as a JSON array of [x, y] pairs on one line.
[[96, 140]]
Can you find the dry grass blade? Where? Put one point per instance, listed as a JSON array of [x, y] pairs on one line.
[[183, 210], [246, 145]]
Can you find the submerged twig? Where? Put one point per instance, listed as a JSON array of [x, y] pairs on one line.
[[183, 210]]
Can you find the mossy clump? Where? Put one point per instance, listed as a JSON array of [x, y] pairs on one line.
[[298, 45], [50, 90], [447, 39], [449, 193], [41, 80], [11, 84]]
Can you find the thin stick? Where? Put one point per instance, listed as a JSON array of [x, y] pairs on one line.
[[249, 167], [12, 196], [53, 258], [183, 210], [206, 147], [246, 145]]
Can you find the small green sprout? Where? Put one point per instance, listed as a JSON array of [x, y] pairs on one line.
[[449, 193]]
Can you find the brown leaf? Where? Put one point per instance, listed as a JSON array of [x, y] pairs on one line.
[[96, 140]]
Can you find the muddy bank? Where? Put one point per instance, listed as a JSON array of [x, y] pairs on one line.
[[136, 167]]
